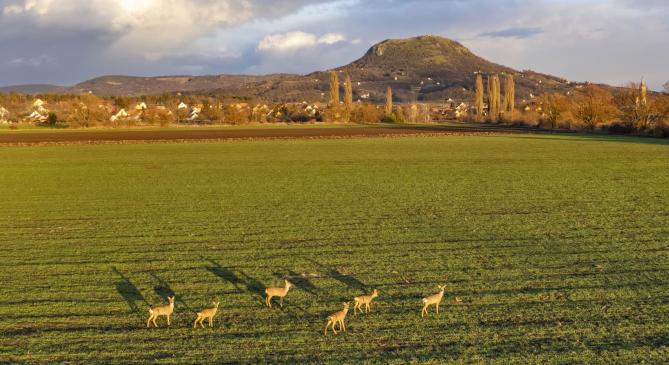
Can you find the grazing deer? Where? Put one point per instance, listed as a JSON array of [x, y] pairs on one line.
[[163, 310], [277, 292], [205, 314], [433, 299], [337, 318], [365, 300]]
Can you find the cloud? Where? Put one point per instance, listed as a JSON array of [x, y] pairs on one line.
[[297, 40], [33, 61], [596, 40], [148, 27], [332, 38], [513, 33]]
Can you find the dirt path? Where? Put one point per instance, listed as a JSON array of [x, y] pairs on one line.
[[79, 136]]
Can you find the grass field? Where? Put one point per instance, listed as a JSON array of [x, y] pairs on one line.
[[559, 246]]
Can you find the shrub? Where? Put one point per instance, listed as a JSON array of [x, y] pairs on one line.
[[52, 119], [593, 106], [366, 113]]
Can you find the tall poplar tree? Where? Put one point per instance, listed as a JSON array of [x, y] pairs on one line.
[[389, 101], [334, 89], [479, 97]]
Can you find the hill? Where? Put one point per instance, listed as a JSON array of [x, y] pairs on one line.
[[423, 68], [32, 89]]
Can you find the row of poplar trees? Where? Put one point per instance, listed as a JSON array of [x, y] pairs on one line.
[[496, 109], [334, 95]]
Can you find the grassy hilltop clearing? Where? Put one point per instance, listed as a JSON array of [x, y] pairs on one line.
[[557, 245]]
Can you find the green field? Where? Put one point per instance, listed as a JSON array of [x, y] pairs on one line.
[[558, 245]]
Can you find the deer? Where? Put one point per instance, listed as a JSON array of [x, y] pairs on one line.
[[337, 318], [163, 310], [434, 299], [365, 300], [277, 292], [205, 314]]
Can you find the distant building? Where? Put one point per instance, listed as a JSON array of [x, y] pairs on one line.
[[37, 117], [461, 110], [141, 106], [122, 114], [4, 113], [182, 105]]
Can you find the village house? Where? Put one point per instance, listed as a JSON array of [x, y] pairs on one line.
[[4, 114], [37, 117], [461, 110], [122, 114]]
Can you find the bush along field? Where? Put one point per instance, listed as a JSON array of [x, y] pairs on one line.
[[552, 249]]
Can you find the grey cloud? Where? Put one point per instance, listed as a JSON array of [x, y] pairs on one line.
[[581, 41], [513, 33]]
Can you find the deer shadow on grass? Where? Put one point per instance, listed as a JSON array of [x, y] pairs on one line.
[[164, 290], [240, 280], [300, 281], [346, 279], [128, 291]]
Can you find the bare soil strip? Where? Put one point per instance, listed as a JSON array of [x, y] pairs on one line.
[[222, 134]]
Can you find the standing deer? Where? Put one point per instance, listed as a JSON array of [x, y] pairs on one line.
[[205, 314], [277, 292], [365, 300], [337, 318], [163, 310], [433, 299]]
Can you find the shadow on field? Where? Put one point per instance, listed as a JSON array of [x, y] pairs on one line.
[[598, 137], [128, 291], [298, 280], [241, 282], [346, 279], [164, 290]]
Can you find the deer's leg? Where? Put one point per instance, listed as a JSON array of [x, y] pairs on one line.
[[148, 321], [168, 319], [437, 308], [281, 302]]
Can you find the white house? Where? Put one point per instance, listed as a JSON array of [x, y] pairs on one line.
[[37, 116], [38, 103], [4, 113], [120, 115], [182, 105], [141, 106], [461, 110]]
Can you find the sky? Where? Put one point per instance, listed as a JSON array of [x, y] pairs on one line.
[[68, 41]]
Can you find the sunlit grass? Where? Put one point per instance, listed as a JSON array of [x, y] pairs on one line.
[[558, 246]]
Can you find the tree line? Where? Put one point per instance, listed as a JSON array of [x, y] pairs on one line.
[[629, 109]]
